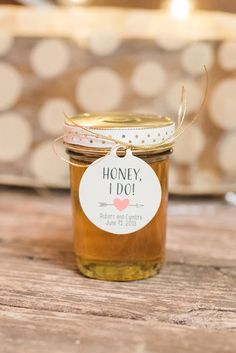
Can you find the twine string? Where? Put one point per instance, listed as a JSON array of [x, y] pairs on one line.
[[181, 128], [182, 113], [54, 143]]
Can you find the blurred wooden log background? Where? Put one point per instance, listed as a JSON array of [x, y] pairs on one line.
[[140, 68]]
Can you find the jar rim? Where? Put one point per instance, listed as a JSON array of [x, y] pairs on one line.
[[167, 148]]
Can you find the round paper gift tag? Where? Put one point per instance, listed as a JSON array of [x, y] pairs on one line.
[[120, 194]]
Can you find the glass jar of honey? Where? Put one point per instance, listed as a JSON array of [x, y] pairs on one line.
[[140, 252]]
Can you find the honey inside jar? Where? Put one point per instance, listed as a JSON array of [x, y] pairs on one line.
[[101, 254]]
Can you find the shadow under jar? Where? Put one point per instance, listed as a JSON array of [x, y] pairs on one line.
[[101, 254]]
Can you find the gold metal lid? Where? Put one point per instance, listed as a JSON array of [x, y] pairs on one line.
[[114, 120]]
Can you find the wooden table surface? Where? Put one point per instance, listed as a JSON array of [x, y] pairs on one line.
[[46, 306]]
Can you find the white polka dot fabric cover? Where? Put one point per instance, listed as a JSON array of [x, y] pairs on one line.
[[41, 79]]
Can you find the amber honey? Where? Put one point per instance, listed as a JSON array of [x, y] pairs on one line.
[[106, 256], [127, 257]]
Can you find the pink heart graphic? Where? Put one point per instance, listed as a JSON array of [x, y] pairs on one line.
[[121, 204]]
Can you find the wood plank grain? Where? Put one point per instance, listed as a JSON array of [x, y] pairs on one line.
[[190, 304], [33, 331]]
